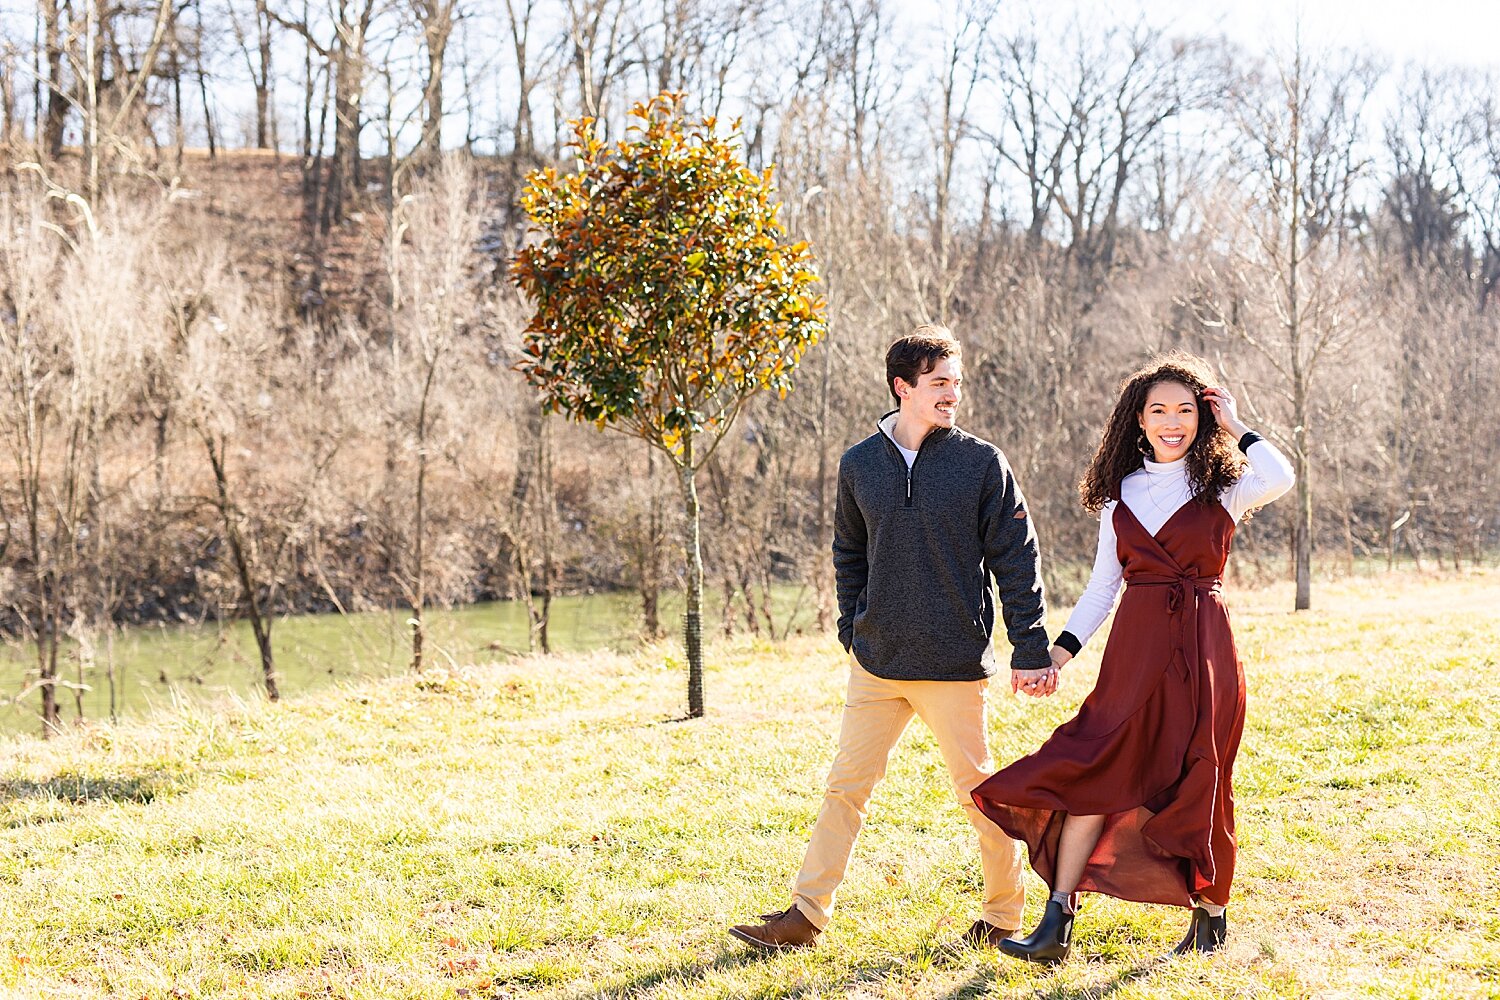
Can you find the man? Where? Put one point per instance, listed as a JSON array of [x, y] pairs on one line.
[[926, 514]]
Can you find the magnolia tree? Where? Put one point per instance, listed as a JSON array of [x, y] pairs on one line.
[[666, 296]]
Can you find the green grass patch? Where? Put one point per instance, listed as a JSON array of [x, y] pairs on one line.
[[542, 827]]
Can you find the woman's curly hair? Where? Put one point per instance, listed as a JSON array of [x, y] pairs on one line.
[[1213, 465]]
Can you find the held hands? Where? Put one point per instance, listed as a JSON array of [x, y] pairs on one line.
[[1043, 682], [1225, 410]]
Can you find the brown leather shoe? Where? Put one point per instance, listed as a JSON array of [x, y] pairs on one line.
[[785, 931], [983, 934]]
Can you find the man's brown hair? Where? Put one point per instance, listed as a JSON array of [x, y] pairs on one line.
[[917, 353]]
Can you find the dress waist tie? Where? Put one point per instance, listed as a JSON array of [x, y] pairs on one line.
[[1182, 608]]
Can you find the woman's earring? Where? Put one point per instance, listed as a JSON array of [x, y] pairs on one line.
[[1143, 444]]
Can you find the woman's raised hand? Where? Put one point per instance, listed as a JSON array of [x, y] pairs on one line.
[[1225, 409]]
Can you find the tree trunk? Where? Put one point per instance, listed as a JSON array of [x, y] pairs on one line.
[[179, 135], [438, 31], [650, 569], [208, 118], [51, 711], [259, 625], [262, 78], [729, 591], [109, 669], [346, 107], [419, 570], [93, 47], [1303, 531], [309, 91], [316, 182], [78, 687], [693, 619], [57, 103], [8, 129], [820, 570], [547, 523]]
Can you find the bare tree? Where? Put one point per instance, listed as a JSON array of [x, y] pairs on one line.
[[1478, 172], [1421, 212], [71, 362], [1083, 106], [345, 51], [431, 264], [256, 44], [55, 16], [436, 19], [866, 74], [1288, 289], [10, 123], [244, 384], [958, 75], [594, 36], [519, 17], [111, 85]]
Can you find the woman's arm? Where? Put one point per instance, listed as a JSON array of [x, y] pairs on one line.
[[1099, 596], [1270, 474]]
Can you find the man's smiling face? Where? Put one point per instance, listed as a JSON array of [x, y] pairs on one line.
[[933, 401]]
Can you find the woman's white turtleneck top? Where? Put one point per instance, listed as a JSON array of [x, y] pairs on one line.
[[1154, 493]]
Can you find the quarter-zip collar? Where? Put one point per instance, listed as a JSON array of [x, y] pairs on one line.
[[887, 427]]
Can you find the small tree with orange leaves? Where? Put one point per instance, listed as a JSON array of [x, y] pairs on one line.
[[666, 296]]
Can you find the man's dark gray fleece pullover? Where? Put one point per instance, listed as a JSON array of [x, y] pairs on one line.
[[914, 550]]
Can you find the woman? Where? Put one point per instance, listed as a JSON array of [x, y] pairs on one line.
[[1132, 796]]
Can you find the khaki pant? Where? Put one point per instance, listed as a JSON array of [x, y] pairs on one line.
[[876, 713]]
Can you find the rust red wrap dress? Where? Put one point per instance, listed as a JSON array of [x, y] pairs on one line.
[[1153, 745]]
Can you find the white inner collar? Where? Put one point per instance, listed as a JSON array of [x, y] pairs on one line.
[[1158, 468]]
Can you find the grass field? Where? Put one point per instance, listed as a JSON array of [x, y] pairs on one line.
[[543, 828]]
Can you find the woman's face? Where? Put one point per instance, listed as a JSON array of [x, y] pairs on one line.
[[1170, 420]]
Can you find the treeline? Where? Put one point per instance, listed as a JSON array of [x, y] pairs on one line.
[[204, 417]]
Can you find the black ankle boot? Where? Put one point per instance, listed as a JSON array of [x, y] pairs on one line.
[[1204, 933], [1050, 942]]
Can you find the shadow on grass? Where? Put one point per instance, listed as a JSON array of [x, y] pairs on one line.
[[645, 981], [81, 789], [1100, 990], [976, 987]]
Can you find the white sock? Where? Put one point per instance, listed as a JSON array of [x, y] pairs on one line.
[[1069, 900], [1212, 909]]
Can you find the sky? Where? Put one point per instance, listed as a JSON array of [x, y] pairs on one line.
[[1465, 32], [1438, 32]]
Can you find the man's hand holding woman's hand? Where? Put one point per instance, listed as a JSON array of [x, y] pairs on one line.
[[1043, 682]]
